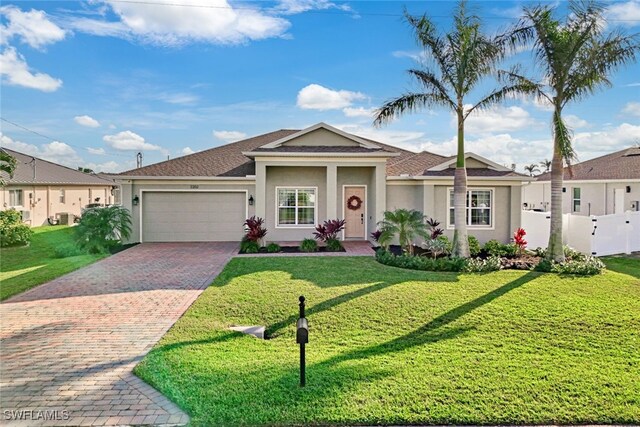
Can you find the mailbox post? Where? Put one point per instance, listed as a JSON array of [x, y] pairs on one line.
[[302, 338]]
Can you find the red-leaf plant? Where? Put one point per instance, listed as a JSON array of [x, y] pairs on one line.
[[329, 230], [255, 232], [518, 239], [433, 226]]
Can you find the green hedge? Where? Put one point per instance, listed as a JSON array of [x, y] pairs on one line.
[[13, 232], [420, 263]]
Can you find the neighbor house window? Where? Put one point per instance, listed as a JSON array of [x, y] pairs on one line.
[[16, 198], [62, 195], [296, 206], [479, 208], [575, 200]]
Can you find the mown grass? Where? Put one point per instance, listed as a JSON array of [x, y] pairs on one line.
[[393, 346], [22, 268]]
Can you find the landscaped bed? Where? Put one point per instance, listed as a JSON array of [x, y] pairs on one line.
[[396, 346]]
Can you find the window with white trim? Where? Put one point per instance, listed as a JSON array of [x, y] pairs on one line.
[[16, 198], [62, 195], [479, 208], [575, 199], [296, 206]]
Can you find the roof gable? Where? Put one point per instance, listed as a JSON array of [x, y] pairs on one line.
[[322, 135], [477, 162]]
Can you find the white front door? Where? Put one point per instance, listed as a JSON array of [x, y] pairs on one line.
[[618, 200]]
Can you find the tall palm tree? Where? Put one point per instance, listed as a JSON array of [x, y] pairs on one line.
[[532, 169], [576, 57], [7, 165], [461, 60], [407, 224], [546, 164]]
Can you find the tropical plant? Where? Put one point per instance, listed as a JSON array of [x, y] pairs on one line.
[[7, 165], [308, 245], [576, 56], [474, 246], [495, 248], [479, 265], [334, 245], [546, 164], [532, 169], [249, 246], [13, 231], [518, 239], [407, 224], [254, 231], [102, 228], [329, 230], [273, 247], [463, 58], [383, 238]]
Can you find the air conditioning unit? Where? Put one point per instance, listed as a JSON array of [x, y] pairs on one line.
[[26, 216], [635, 205], [65, 218]]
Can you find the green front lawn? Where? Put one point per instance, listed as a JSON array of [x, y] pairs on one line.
[[22, 268], [392, 346]]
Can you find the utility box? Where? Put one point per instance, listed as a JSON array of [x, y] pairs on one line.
[[65, 218]]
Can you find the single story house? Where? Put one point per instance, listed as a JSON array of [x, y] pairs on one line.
[[41, 189], [609, 184], [295, 179]]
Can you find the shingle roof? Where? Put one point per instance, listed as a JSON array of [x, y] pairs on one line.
[[623, 164], [476, 172], [413, 164], [320, 149], [32, 170]]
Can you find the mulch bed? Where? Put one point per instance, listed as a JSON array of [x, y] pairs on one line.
[[293, 250]]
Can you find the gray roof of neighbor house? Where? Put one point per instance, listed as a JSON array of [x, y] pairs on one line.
[[621, 165], [32, 170], [228, 160]]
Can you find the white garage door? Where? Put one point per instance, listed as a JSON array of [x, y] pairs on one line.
[[192, 216]]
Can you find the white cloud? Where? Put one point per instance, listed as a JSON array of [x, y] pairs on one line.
[[56, 151], [127, 140], [185, 21], [633, 84], [359, 112], [539, 103], [632, 108], [418, 56], [316, 97], [107, 167], [627, 13], [575, 122], [497, 119], [33, 27], [593, 144], [187, 150], [15, 71], [178, 98], [398, 138], [229, 135], [291, 7], [99, 151], [87, 121]]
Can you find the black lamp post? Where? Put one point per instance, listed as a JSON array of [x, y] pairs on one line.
[[302, 338]]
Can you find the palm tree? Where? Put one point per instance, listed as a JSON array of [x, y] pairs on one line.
[[576, 57], [462, 59], [532, 168], [546, 164], [7, 165], [407, 224]]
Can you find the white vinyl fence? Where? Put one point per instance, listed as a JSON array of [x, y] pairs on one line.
[[593, 235]]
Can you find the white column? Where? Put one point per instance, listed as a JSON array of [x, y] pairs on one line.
[[332, 195], [381, 192], [261, 190]]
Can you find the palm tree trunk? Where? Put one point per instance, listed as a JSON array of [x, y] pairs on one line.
[[460, 240], [555, 250]]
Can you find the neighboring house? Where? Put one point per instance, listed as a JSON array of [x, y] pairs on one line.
[[601, 186], [295, 179], [42, 189]]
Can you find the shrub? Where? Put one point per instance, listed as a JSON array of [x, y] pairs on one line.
[[407, 224], [249, 247], [334, 245], [438, 246], [518, 239], [67, 250], [474, 246], [101, 228], [587, 266], [420, 263], [495, 248], [255, 232], [13, 231], [309, 245], [572, 254], [273, 247], [479, 265], [383, 238], [544, 266], [447, 244], [329, 230]]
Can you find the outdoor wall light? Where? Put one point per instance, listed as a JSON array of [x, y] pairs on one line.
[[628, 189], [250, 200], [135, 200]]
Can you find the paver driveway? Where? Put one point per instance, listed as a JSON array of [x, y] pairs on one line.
[[69, 346]]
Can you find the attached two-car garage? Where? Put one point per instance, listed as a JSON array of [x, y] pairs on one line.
[[193, 216]]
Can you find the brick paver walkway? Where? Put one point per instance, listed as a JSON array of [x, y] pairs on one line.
[[68, 347]]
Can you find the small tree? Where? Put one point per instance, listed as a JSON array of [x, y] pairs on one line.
[[102, 228], [546, 164], [7, 165], [13, 231], [407, 224], [532, 169]]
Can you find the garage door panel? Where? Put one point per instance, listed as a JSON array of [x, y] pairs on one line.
[[192, 216]]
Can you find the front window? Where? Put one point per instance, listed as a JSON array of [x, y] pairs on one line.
[[62, 194], [479, 208], [575, 205], [16, 198], [296, 206]]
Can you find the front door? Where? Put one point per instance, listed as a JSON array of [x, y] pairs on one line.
[[355, 212]]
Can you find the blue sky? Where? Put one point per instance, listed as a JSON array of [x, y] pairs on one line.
[[106, 79]]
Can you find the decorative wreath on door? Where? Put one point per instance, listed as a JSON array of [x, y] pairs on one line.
[[354, 203]]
